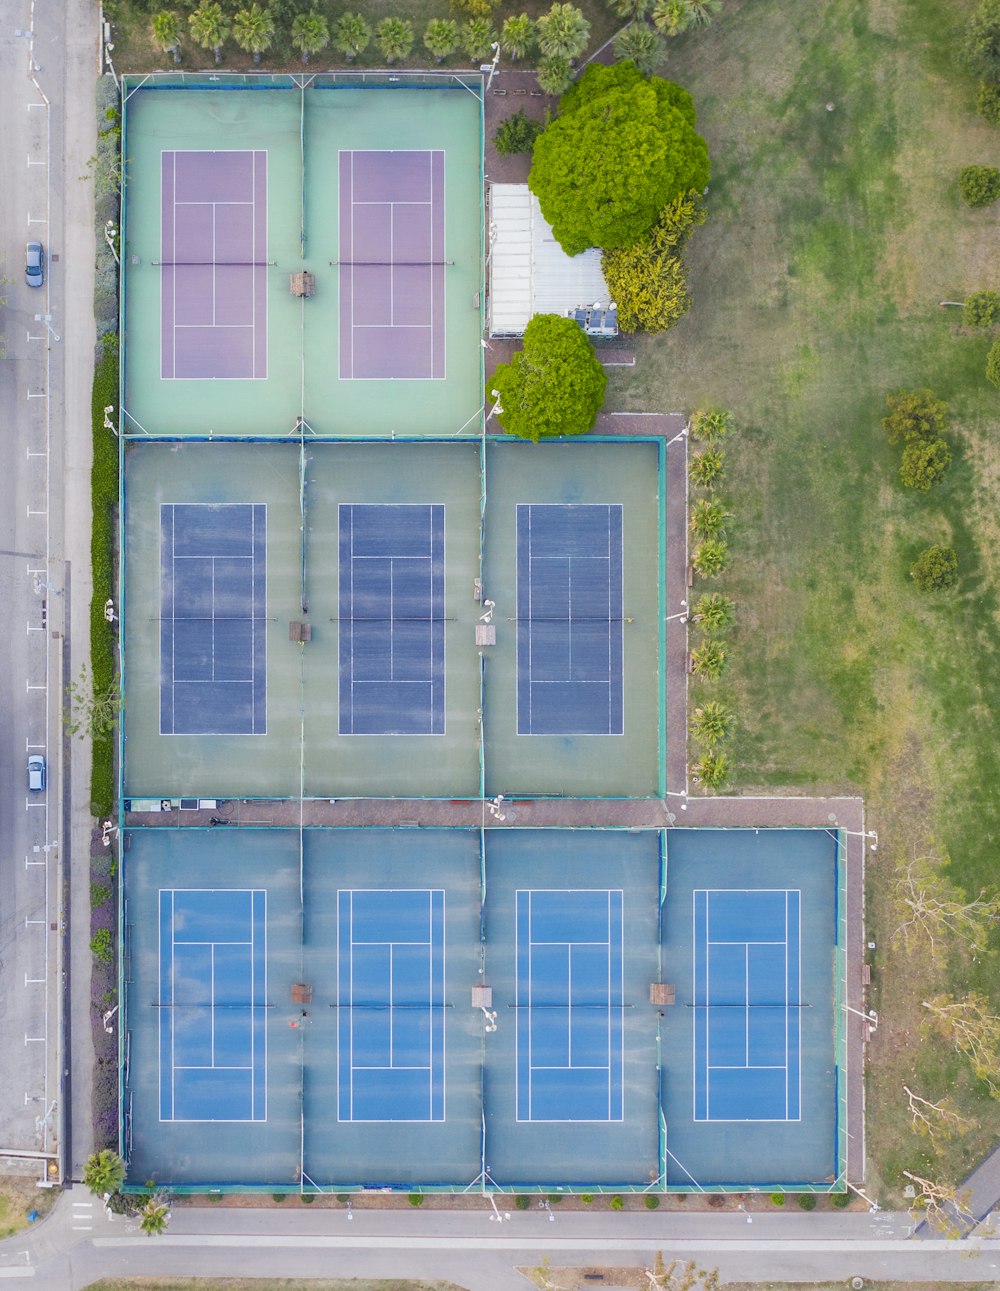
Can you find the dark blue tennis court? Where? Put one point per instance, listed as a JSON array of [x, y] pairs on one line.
[[213, 988], [391, 1001], [569, 619], [569, 1005], [391, 619], [213, 611], [747, 1002]]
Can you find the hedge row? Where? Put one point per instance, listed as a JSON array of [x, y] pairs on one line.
[[104, 497]]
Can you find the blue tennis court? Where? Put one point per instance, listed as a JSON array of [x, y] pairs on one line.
[[213, 611], [569, 1005], [391, 1002], [213, 990], [747, 1002], [569, 619], [392, 619]]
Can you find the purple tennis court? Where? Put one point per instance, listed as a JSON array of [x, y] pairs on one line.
[[392, 265], [213, 265]]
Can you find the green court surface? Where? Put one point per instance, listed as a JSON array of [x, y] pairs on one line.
[[301, 748], [352, 1046], [302, 131]]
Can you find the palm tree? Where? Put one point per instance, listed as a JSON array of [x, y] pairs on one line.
[[155, 1215], [253, 30], [709, 659], [167, 33], [394, 37], [708, 519], [709, 425], [629, 8], [671, 17], [441, 38], [712, 723], [478, 38], [104, 1172], [554, 75], [642, 45], [209, 27], [310, 33], [352, 35], [563, 32], [517, 35], [702, 11], [710, 558], [712, 770], [706, 468], [714, 612]]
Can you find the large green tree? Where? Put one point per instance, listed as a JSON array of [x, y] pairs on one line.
[[554, 386], [622, 147]]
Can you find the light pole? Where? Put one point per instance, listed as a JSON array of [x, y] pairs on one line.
[[110, 231], [871, 1017], [682, 614], [47, 320], [493, 66], [497, 1217], [496, 409], [108, 423], [680, 435]]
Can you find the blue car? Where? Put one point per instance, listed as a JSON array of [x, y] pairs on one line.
[[34, 264]]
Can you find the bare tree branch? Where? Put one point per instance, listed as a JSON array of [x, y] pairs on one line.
[[935, 916], [974, 1031], [940, 1205], [935, 1120]]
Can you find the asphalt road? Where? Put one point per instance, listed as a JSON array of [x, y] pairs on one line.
[[78, 1243]]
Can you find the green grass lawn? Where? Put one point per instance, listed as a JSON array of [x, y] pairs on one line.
[[837, 130]]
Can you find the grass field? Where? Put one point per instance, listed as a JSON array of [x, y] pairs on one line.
[[837, 130]]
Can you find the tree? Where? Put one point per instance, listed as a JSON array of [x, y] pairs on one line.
[[631, 9], [935, 569], [478, 37], [979, 185], [310, 33], [993, 364], [554, 75], [516, 133], [352, 35], [706, 468], [680, 1276], [709, 659], [709, 559], [934, 1121], [710, 424], [166, 28], [517, 35], [394, 37], [155, 1215], [712, 723], [940, 1206], [714, 612], [914, 414], [988, 103], [973, 1029], [104, 1172], [980, 309], [642, 45], [563, 32], [647, 279], [712, 770], [88, 712], [981, 46], [708, 519], [702, 11], [441, 38], [554, 385], [209, 27], [671, 17], [620, 150], [924, 463], [253, 30], [936, 917]]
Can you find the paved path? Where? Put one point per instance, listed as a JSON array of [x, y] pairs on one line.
[[78, 1244]]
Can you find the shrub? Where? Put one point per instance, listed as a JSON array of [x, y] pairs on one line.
[[99, 893], [980, 309], [708, 519], [979, 185], [712, 770], [714, 612], [587, 1198], [777, 1198], [651, 1201], [924, 463], [807, 1201], [841, 1200], [554, 1198], [616, 1203], [712, 723], [308, 1198], [521, 1202], [993, 364], [278, 1197], [516, 133], [104, 500], [914, 414], [102, 946], [343, 1197], [415, 1198], [709, 659], [709, 424], [988, 107], [709, 559], [935, 569], [706, 468]]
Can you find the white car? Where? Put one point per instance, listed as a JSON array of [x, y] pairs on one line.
[[36, 771]]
